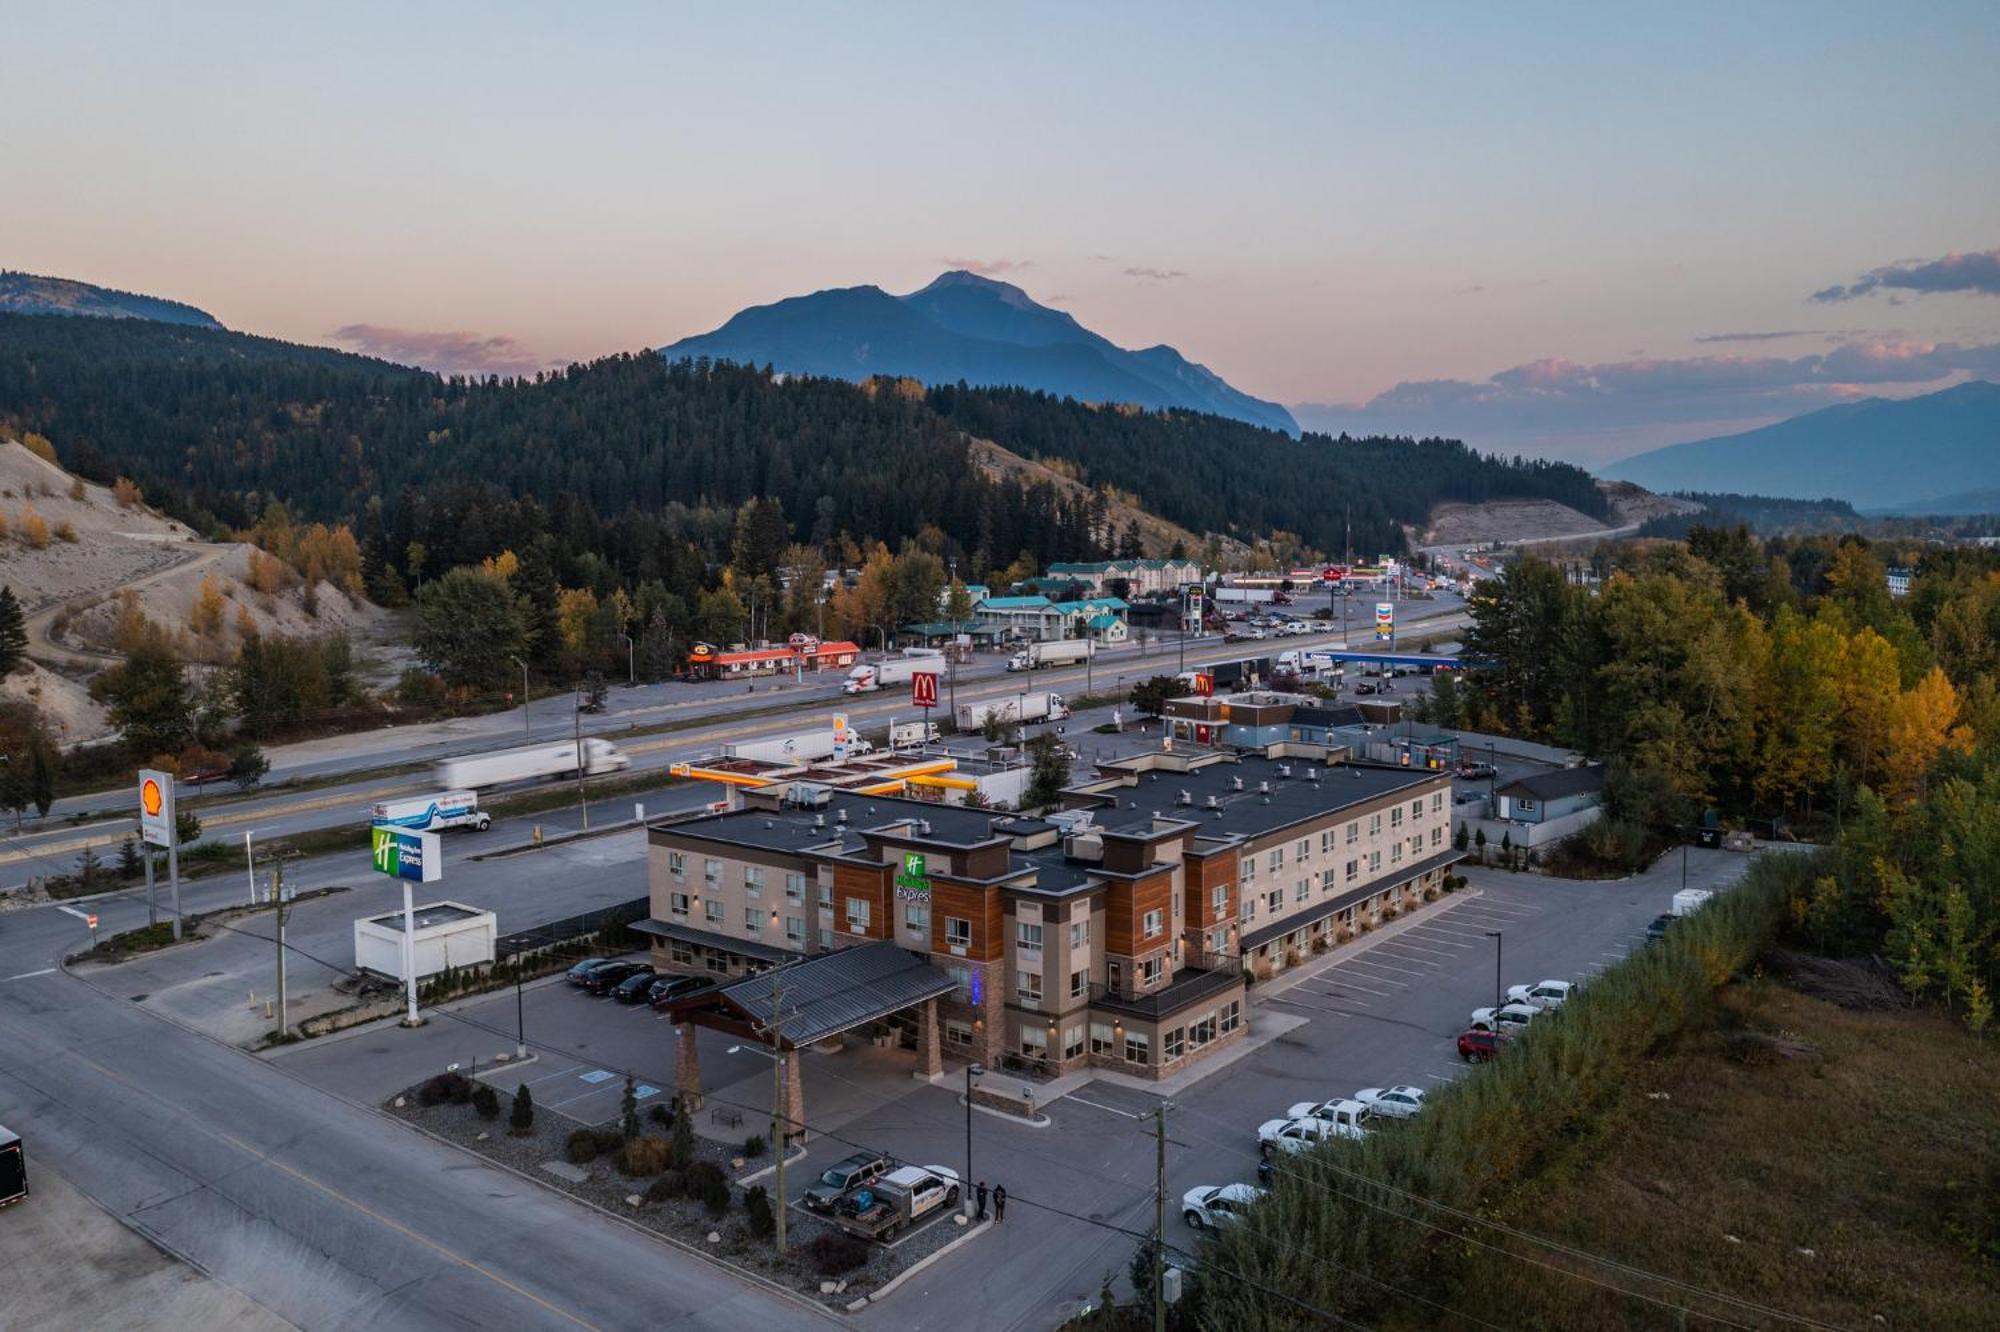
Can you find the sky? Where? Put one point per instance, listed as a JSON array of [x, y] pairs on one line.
[[1567, 229]]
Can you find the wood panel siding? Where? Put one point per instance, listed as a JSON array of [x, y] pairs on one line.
[[981, 906], [1126, 902], [872, 886]]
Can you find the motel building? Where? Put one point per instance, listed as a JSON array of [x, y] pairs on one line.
[[1115, 932]]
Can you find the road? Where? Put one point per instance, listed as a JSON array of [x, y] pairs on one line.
[[42, 646]]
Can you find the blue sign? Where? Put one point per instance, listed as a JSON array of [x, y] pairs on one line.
[[403, 854]]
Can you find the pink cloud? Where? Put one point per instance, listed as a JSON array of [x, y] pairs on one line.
[[989, 267], [447, 353]]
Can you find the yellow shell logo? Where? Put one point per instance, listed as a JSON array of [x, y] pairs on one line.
[[150, 797]]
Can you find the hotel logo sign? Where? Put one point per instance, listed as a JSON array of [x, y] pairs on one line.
[[912, 882]]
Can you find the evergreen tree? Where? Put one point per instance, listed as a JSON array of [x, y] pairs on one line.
[[521, 1119], [130, 864], [13, 632], [148, 698], [470, 627]]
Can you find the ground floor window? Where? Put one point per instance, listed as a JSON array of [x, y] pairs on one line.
[[1202, 1031], [957, 1032], [1100, 1038], [1175, 1044], [826, 938], [717, 961], [1232, 1016], [681, 953], [1138, 1048], [1034, 1042], [1073, 1041], [1149, 971]]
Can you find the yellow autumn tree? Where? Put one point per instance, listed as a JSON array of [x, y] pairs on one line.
[[504, 565], [33, 527], [1922, 724], [205, 619], [126, 491], [575, 608], [1869, 689]]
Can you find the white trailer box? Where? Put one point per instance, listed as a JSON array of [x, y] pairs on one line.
[[1036, 707], [556, 759], [805, 747], [1245, 594], [872, 675], [433, 812], [1055, 652], [448, 934], [1689, 900]]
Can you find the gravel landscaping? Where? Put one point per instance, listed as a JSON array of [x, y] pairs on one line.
[[818, 1253]]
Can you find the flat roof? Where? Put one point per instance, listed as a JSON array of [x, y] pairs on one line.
[[428, 915], [1268, 800]]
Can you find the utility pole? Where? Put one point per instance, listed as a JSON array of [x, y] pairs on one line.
[[582, 799], [780, 1137], [631, 661], [278, 910], [526, 733], [1160, 1217]]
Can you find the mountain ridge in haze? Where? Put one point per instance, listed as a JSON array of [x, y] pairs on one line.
[[33, 293], [970, 328], [1880, 455]]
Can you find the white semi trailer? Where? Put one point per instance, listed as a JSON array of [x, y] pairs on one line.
[[556, 759]]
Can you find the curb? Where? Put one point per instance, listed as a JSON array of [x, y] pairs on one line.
[[917, 1267]]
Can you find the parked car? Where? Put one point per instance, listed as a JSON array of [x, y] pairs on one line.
[[1292, 1135], [1364, 689], [1477, 1045], [1399, 1102], [1350, 1118], [665, 989], [848, 1173], [1476, 772], [634, 988], [1658, 929], [1507, 1015], [1216, 1205], [601, 979], [580, 973], [880, 1208], [1542, 994]]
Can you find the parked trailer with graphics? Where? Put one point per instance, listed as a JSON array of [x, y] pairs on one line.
[[434, 812], [1024, 708]]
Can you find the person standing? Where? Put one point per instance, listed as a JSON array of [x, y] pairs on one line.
[[981, 1195], [999, 1202]]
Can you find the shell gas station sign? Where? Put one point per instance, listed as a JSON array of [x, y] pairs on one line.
[[156, 807]]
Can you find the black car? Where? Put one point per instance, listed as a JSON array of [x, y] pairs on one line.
[[1658, 929], [633, 988], [665, 989], [580, 973], [838, 1178], [603, 978], [1364, 689]]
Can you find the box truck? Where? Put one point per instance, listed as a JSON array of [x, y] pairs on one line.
[[1246, 595], [872, 675], [434, 812], [1060, 652], [474, 771], [1023, 708], [1690, 900]]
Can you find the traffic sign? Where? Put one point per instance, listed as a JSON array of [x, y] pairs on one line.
[[401, 853], [156, 807], [923, 689]]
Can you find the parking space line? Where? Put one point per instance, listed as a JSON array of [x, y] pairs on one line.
[[1379, 994], [1471, 936], [1364, 962], [1108, 1109], [1499, 909], [1455, 942], [1421, 948]]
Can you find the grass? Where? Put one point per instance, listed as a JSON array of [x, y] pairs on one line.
[[1870, 1139]]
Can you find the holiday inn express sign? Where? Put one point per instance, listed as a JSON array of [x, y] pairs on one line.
[[911, 881]]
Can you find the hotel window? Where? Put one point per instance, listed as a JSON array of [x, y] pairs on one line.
[[1353, 870], [1437, 836], [795, 930], [1353, 833], [753, 879], [1248, 909], [1396, 854], [1416, 810], [1027, 935], [1218, 941], [753, 919], [1218, 900], [795, 887], [711, 870], [1416, 846], [1028, 984], [1437, 802], [1150, 971], [678, 902], [1100, 1038], [1326, 880], [1301, 890], [1203, 1030], [677, 864], [1073, 1041], [717, 961], [1079, 933], [682, 954], [957, 933], [826, 894], [1374, 825], [917, 916], [1079, 984], [714, 911], [1232, 1016], [1034, 1042], [1153, 923], [1396, 817], [1304, 848], [1274, 901], [857, 915], [1325, 840], [826, 939], [1276, 860], [1174, 1045], [1249, 869], [1374, 862], [1138, 1047], [957, 1032]]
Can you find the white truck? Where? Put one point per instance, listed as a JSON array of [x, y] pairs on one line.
[[908, 735], [560, 759], [1690, 900], [1058, 652], [434, 812], [872, 675], [1245, 595], [1023, 708], [805, 747]]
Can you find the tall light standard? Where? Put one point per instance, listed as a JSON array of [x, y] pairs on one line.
[[524, 698], [971, 1071], [1498, 993], [631, 661]]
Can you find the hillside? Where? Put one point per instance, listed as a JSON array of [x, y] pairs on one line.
[[1935, 452], [964, 328], [1157, 536], [107, 556], [641, 462], [28, 293]]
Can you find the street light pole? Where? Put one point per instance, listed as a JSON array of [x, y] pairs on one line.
[[1494, 935], [582, 799], [525, 732], [971, 1071], [631, 661]]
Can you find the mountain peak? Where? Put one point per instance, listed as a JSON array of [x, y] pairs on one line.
[[32, 293], [967, 327]]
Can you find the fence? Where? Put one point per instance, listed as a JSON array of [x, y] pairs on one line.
[[581, 926]]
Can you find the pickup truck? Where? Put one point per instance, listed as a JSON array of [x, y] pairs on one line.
[[882, 1208]]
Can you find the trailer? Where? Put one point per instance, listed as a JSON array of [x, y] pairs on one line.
[[1057, 652], [13, 1168], [1041, 706], [804, 747], [1245, 594], [872, 675], [560, 759], [433, 813], [909, 735]]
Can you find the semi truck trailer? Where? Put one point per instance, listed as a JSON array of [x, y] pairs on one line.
[[1059, 652], [558, 759]]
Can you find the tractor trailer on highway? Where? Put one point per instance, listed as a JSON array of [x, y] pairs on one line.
[[806, 747], [434, 812], [1059, 652], [1023, 708], [473, 771], [872, 675]]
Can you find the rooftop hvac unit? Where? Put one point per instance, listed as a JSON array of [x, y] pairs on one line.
[[1284, 770], [819, 820], [1213, 803], [1264, 788]]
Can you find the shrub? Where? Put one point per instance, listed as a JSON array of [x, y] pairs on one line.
[[670, 1185], [453, 1087], [706, 1181], [66, 531], [758, 1204], [125, 491], [660, 1115], [486, 1101], [753, 1146], [521, 1121], [609, 1139], [76, 488], [644, 1156], [580, 1147], [835, 1252]]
